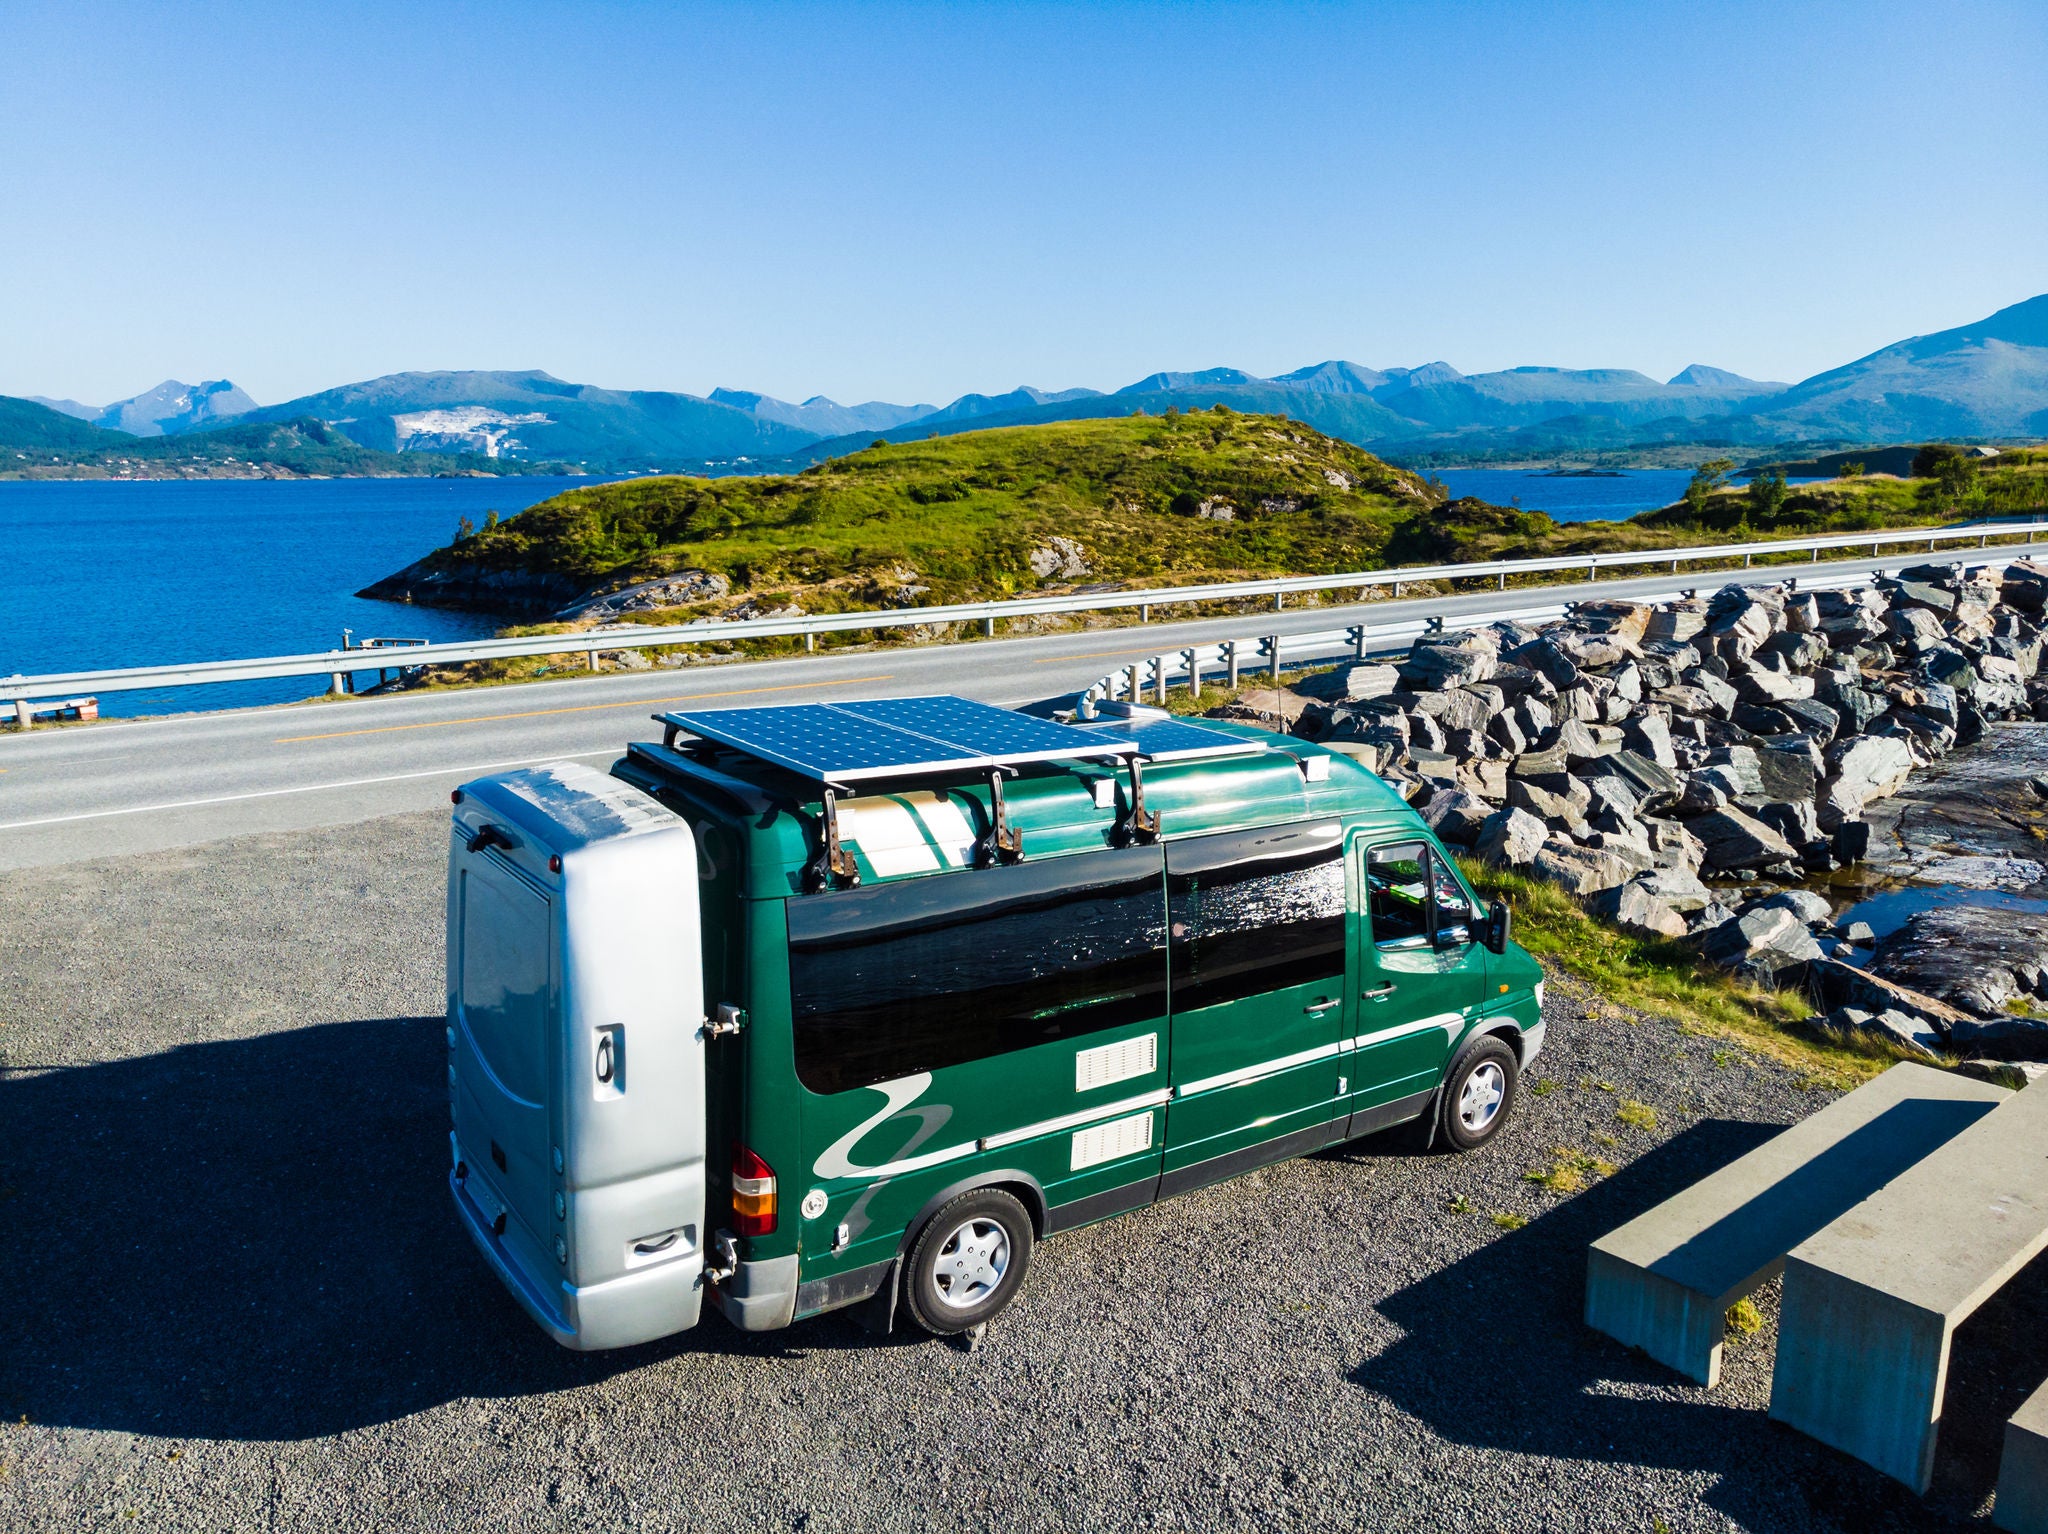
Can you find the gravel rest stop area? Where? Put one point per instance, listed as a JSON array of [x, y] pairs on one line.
[[236, 1297]]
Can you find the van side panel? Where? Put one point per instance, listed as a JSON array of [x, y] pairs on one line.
[[1005, 1025]]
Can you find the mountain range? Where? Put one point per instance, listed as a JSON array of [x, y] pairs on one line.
[[1987, 379]]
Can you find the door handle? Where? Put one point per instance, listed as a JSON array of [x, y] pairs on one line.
[[1315, 1008], [1380, 992]]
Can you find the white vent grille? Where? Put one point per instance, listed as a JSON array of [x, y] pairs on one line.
[[1112, 1141], [1108, 1064]]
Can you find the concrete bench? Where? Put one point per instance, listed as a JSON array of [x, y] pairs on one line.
[[1664, 1281], [2022, 1504], [1872, 1301]]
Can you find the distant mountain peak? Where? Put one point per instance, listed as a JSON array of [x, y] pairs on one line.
[[1700, 376], [175, 407]]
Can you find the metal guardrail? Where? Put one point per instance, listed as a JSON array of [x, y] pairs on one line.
[[1227, 662], [590, 642]]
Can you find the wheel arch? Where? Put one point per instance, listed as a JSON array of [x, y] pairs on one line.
[[1020, 1185]]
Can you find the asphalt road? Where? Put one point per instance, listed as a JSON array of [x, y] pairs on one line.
[[140, 785], [233, 1295]]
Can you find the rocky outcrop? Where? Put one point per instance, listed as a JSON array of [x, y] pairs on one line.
[[1634, 754], [1981, 960], [526, 593]]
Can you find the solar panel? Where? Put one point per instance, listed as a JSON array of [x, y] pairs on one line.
[[1167, 739], [997, 732], [895, 737]]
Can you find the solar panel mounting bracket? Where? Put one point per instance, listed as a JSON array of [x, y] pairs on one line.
[[1136, 823], [1001, 842], [832, 860]]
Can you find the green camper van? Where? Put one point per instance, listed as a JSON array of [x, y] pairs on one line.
[[851, 1004]]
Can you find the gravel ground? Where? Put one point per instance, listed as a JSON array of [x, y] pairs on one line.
[[232, 1295]]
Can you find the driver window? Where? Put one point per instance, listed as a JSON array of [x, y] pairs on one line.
[[1412, 896], [1397, 884]]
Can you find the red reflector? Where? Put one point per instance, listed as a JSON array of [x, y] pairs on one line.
[[456, 797], [554, 865], [753, 1194]]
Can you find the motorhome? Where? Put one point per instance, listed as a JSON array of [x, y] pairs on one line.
[[851, 1004]]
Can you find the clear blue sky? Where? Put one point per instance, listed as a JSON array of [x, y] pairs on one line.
[[908, 203]]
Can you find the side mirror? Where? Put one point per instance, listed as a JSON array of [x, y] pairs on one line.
[[1497, 924]]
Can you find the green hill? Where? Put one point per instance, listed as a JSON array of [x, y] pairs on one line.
[[968, 517]]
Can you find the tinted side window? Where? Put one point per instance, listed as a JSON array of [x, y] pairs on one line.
[[1254, 911], [900, 978]]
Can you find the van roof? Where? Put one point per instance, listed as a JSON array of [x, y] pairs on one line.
[[927, 822]]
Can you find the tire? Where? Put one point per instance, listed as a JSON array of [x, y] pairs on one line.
[[968, 1261], [1479, 1095]]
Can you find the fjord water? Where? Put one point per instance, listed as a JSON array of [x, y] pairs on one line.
[[102, 573], [1571, 497]]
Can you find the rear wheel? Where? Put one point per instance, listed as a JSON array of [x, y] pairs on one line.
[[1479, 1095], [968, 1261]]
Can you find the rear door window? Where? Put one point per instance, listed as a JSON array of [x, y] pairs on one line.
[[505, 959]]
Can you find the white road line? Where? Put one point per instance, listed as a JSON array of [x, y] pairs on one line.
[[301, 788]]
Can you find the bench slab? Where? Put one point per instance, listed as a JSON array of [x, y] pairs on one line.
[[1664, 1281], [2022, 1505], [1872, 1301]]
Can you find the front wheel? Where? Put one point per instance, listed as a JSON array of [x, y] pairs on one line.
[[968, 1261], [1479, 1095]]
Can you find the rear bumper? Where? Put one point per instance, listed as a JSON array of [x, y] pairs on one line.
[[636, 1307]]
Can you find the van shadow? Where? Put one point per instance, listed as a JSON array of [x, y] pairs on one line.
[[1496, 1354], [252, 1239]]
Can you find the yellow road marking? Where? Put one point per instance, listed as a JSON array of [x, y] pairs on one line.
[[575, 708]]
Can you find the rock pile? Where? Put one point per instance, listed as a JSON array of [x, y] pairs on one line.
[[1632, 753]]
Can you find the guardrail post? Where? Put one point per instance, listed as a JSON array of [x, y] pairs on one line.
[[1230, 660], [1144, 612], [1279, 601], [1193, 657], [335, 683], [1674, 567], [1356, 634], [1137, 693], [988, 628], [1745, 561], [595, 665], [1275, 643], [1503, 580], [1159, 677], [24, 715], [1816, 556]]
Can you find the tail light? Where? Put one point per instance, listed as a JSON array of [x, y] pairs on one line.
[[753, 1194]]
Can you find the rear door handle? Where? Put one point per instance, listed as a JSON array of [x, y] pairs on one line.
[[1316, 1007], [1380, 992]]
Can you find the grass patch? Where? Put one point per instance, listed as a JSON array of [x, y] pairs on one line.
[[1669, 980], [1637, 1115], [1463, 1205], [1505, 1220], [1743, 1319], [1568, 1170], [1543, 1086]]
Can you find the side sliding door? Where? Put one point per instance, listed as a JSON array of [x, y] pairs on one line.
[[1257, 959]]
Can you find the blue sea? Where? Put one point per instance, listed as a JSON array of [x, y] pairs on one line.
[[101, 573], [1571, 497]]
